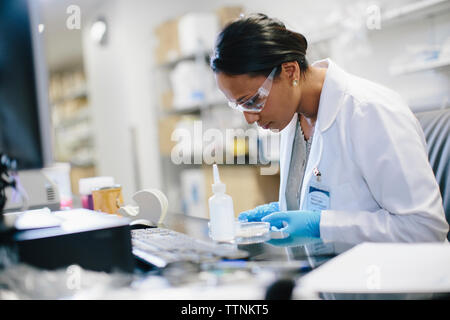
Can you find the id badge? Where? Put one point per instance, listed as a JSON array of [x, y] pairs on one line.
[[318, 196]]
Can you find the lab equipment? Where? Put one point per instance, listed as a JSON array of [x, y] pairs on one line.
[[34, 190], [221, 212], [259, 212], [87, 185], [90, 239], [249, 232], [303, 224], [151, 209], [159, 247], [252, 232], [108, 199], [59, 173], [277, 234]]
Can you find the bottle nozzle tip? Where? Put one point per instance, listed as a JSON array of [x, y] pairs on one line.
[[216, 173]]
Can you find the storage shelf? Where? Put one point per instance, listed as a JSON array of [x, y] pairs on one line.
[[83, 164], [171, 64], [80, 116], [411, 12], [414, 11], [420, 66], [78, 93], [196, 108]]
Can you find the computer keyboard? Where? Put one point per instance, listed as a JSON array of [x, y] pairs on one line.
[[160, 246]]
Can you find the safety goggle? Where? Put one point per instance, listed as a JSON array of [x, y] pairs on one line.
[[256, 102]]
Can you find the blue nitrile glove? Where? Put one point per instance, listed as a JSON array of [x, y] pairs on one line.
[[259, 212], [296, 223]]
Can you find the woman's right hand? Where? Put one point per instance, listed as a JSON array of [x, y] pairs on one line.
[[259, 212]]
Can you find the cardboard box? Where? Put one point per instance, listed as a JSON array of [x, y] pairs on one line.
[[77, 173], [167, 100], [166, 126], [228, 14], [245, 185], [197, 32], [168, 48], [183, 36]]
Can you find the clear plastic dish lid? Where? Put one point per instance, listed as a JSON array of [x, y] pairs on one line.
[[251, 229], [255, 232], [258, 230]]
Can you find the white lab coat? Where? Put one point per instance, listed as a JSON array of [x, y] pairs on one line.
[[371, 153]]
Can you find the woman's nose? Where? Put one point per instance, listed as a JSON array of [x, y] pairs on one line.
[[251, 117]]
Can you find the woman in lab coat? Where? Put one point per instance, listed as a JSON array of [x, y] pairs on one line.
[[353, 159]]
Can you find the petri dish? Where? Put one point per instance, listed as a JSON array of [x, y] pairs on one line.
[[252, 232], [278, 234]]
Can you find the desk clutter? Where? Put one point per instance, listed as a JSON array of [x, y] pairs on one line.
[[106, 233], [102, 194]]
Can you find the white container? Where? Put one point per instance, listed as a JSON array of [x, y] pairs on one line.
[[197, 32], [221, 211], [188, 84], [194, 193], [193, 85], [59, 173]]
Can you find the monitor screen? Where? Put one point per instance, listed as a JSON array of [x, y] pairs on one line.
[[20, 132]]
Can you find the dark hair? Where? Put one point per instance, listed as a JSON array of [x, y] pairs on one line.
[[256, 44]]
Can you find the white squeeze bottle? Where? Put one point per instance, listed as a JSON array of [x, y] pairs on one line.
[[221, 212]]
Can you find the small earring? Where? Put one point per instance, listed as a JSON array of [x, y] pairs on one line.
[[295, 82]]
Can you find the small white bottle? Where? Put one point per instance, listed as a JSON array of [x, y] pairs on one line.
[[221, 212]]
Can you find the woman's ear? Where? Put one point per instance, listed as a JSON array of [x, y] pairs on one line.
[[291, 70]]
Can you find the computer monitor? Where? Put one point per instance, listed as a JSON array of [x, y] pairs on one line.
[[25, 127], [25, 131]]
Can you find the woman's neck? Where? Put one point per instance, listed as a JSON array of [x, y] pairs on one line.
[[311, 89]]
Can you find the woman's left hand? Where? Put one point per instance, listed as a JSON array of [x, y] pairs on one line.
[[296, 223]]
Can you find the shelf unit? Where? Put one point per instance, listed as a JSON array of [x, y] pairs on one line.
[[71, 120], [404, 63], [177, 176], [407, 13], [415, 11], [197, 108], [76, 93], [419, 66]]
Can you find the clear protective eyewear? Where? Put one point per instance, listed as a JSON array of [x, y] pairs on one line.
[[258, 100]]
